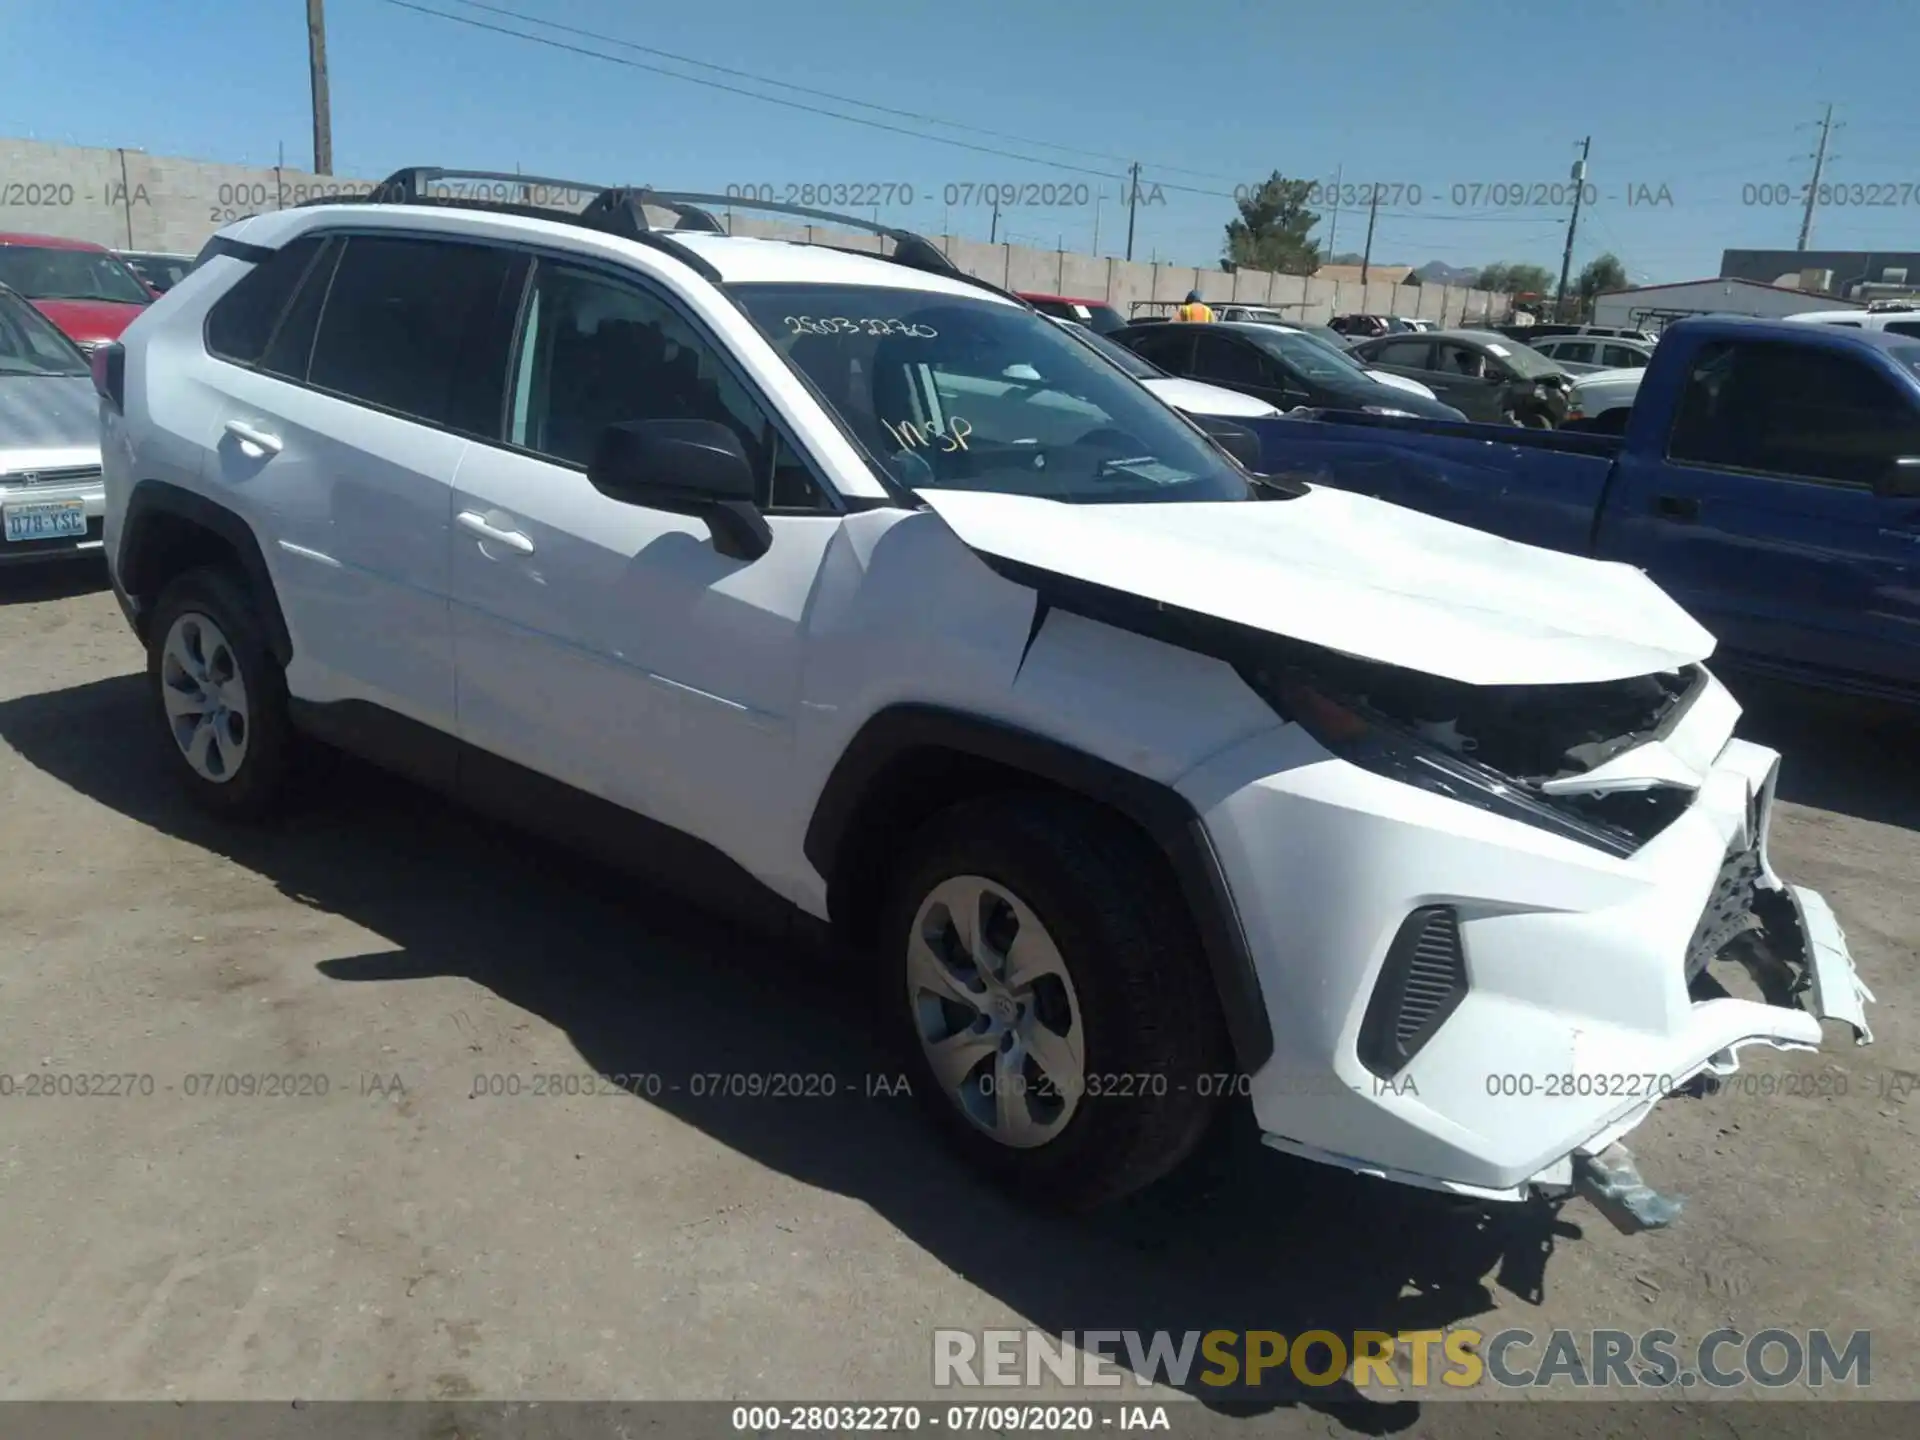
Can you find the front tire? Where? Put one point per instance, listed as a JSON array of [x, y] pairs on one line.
[[1044, 986], [220, 695]]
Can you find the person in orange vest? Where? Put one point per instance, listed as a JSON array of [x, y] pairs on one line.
[[1194, 309]]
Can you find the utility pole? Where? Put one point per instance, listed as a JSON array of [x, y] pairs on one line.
[[322, 108], [1133, 201], [1333, 228], [1097, 197], [1366, 256], [1813, 190], [1566, 256], [993, 234]]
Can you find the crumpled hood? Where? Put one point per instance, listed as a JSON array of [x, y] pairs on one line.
[[1356, 575]]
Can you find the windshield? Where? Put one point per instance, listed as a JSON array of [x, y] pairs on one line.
[[956, 393], [46, 274], [1120, 355], [1311, 357], [1332, 347], [29, 344], [1527, 362]]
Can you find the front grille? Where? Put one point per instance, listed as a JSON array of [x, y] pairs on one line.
[[62, 475], [1422, 982]]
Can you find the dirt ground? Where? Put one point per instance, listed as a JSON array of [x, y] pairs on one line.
[[401, 1236]]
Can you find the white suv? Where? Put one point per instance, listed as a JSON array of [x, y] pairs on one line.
[[841, 588]]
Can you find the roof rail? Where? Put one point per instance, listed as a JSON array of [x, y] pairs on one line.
[[621, 210]]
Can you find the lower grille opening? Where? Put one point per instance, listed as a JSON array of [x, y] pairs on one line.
[[1423, 981]]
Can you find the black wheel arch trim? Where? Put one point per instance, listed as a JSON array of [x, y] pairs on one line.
[[1166, 816], [132, 579]]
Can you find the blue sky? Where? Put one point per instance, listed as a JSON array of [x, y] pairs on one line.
[[1457, 108]]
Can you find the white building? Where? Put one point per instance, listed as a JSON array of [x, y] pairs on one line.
[[1651, 307]]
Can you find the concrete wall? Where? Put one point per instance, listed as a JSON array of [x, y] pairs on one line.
[[131, 200]]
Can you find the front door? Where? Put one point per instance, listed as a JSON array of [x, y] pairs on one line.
[[1764, 520], [608, 645]]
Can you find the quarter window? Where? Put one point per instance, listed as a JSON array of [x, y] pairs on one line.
[[242, 320]]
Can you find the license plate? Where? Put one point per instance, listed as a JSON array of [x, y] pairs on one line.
[[46, 520]]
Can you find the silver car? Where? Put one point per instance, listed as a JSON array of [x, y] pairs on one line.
[[51, 498]]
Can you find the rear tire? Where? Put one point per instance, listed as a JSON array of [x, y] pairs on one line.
[[1074, 1050], [220, 695]]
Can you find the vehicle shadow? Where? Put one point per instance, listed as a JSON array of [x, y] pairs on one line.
[[53, 580], [1243, 1239], [1855, 757]]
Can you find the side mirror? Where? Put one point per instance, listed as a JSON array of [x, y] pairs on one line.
[[690, 467], [1238, 441], [1901, 478]]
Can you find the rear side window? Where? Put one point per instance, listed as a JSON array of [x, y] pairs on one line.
[[1413, 354], [415, 326], [242, 321], [1785, 410], [1620, 357], [1903, 327]]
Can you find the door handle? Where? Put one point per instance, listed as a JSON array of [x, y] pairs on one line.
[[1683, 508], [512, 539], [253, 435]]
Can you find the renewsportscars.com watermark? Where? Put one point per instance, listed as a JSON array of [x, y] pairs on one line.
[[1457, 1358]]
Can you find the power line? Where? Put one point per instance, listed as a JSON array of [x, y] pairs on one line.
[[822, 94], [749, 94]]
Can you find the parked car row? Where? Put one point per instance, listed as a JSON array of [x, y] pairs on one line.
[[845, 590]]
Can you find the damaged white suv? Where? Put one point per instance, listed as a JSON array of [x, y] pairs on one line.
[[840, 587]]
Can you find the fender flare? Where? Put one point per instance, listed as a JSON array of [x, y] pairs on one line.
[[1165, 815], [135, 570]]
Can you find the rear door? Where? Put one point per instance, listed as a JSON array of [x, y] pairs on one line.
[[1763, 518], [338, 426]]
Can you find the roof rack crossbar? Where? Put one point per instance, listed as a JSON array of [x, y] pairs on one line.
[[414, 182], [925, 255]]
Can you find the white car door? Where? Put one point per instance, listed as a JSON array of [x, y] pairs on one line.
[[609, 645], [341, 433]]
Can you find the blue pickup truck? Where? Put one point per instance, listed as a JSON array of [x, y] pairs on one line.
[[1768, 479]]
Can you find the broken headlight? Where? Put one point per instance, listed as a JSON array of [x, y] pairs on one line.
[[1362, 736]]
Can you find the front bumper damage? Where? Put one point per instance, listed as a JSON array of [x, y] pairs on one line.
[[1590, 985]]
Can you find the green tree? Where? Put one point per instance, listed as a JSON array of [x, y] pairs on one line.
[[1271, 233], [1514, 278], [1598, 275]]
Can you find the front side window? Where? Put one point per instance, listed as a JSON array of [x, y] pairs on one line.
[[963, 393], [46, 273], [1575, 352], [1620, 357], [1787, 410], [406, 327], [597, 351]]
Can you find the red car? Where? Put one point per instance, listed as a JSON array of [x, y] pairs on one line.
[[1097, 315], [85, 289]]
